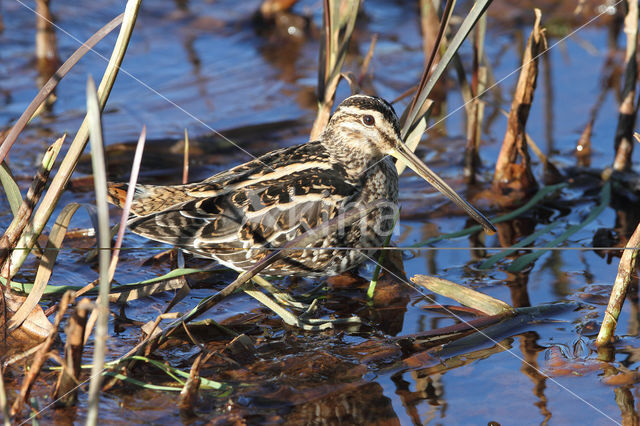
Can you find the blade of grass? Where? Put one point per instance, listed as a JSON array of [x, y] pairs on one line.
[[50, 199], [142, 384], [11, 189], [53, 289], [104, 241], [47, 89], [525, 242], [420, 98], [376, 273], [45, 269], [509, 216], [167, 285], [463, 295], [524, 261], [135, 169], [174, 372]]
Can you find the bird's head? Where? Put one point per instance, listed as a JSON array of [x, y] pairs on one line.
[[366, 129]]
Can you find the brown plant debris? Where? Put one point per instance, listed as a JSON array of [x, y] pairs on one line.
[[512, 178]]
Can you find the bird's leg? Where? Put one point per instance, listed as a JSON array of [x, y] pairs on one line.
[[307, 324], [280, 296]]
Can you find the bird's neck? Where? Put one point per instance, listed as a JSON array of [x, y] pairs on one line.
[[354, 162]]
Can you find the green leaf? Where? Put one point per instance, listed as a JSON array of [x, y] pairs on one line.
[[173, 373], [478, 9], [522, 243], [509, 216], [524, 261], [10, 188], [45, 269], [60, 289]]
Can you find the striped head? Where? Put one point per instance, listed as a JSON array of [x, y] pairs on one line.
[[363, 127]]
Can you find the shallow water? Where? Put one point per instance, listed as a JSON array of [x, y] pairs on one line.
[[205, 66]]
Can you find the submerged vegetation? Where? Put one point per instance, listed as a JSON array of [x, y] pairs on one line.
[[96, 311]]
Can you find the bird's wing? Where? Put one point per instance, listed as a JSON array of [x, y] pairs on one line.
[[151, 199], [265, 213]]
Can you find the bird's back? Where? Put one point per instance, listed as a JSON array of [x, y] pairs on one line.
[[233, 216]]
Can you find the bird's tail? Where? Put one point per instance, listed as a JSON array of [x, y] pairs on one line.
[[147, 199]]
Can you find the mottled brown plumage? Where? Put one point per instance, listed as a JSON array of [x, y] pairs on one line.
[[235, 216]]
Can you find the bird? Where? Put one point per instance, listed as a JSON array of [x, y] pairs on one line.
[[239, 216]]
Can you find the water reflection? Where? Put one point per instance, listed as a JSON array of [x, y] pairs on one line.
[[530, 350], [348, 385], [47, 58]]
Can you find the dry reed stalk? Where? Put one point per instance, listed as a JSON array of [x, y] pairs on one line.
[[40, 357], [364, 68], [463, 295], [21, 218], [65, 391], [45, 35], [46, 44], [433, 45], [4, 408], [475, 111], [339, 20], [626, 269], [185, 164], [623, 143], [270, 8], [583, 147], [510, 177], [189, 392]]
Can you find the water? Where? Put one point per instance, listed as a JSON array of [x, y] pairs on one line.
[[205, 67]]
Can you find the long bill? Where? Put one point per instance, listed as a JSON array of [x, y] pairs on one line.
[[404, 154]]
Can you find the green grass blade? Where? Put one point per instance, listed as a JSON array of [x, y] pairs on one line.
[[524, 261], [45, 269], [174, 372], [10, 187], [509, 216], [141, 383], [60, 289], [478, 9], [376, 273], [104, 242], [522, 243]]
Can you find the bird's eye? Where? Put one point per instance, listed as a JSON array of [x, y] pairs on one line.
[[368, 120]]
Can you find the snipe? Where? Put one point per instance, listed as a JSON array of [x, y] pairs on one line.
[[237, 216]]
